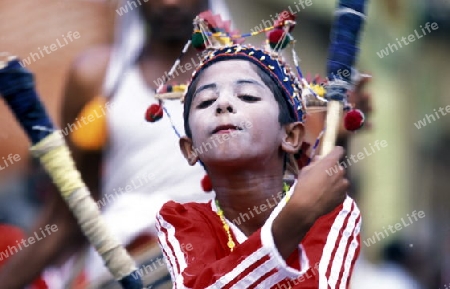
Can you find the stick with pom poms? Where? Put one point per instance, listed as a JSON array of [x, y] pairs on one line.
[[349, 17]]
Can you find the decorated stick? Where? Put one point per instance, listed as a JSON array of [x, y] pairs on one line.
[[48, 144], [349, 17]]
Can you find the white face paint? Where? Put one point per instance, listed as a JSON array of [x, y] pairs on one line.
[[232, 100]]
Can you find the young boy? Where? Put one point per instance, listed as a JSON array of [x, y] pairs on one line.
[[247, 103]]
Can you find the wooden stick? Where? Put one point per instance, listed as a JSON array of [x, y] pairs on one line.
[[332, 124]]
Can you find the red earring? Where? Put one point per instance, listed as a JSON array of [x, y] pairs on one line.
[[206, 184], [154, 113]]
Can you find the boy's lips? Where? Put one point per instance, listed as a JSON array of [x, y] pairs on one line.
[[227, 128]]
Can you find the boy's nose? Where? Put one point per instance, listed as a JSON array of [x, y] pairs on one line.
[[225, 107]]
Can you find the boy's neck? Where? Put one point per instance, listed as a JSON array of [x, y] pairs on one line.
[[248, 197]]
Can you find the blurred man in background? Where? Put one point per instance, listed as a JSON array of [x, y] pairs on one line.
[[139, 154]]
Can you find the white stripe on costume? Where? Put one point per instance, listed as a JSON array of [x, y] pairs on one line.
[[336, 267], [227, 278], [331, 242], [162, 240], [270, 281], [257, 273], [276, 278], [275, 261], [176, 255], [351, 254]]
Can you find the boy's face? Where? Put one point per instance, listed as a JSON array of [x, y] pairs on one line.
[[234, 115]]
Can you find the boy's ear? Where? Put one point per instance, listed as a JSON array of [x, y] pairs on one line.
[[293, 137], [187, 148]]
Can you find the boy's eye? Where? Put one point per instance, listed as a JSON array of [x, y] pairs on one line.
[[249, 98], [205, 103]]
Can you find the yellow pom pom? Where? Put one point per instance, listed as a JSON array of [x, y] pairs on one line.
[[91, 131], [179, 88], [318, 89]]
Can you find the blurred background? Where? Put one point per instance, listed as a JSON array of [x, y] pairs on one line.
[[409, 174]]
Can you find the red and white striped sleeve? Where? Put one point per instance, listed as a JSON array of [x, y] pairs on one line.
[[333, 243], [255, 263]]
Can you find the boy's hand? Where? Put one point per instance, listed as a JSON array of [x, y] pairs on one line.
[[319, 188], [318, 191]]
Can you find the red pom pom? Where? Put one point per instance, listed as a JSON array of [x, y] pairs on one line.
[[206, 184], [284, 16], [154, 113], [276, 35], [354, 120]]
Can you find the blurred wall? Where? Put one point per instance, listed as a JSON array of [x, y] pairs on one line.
[[26, 27], [411, 173]]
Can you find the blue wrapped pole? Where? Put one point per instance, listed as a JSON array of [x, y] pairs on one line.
[[18, 91], [17, 88], [342, 53], [345, 33]]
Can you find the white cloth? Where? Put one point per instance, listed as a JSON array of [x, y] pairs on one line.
[[145, 156], [130, 39], [144, 159], [386, 276]]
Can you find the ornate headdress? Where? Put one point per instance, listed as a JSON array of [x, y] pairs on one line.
[[215, 38], [217, 41]]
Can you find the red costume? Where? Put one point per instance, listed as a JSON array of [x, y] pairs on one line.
[[194, 243]]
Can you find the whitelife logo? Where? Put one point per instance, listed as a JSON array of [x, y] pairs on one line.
[[10, 160], [11, 250], [411, 38], [393, 229], [51, 48]]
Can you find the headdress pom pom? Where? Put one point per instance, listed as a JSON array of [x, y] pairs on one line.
[[206, 184], [154, 113], [354, 120], [278, 38], [198, 41]]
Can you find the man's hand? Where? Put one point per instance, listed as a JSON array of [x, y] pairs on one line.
[[360, 99]]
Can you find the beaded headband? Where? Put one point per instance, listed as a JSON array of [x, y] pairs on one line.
[[271, 64]]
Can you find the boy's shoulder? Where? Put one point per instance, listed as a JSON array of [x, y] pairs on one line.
[[340, 217], [338, 229], [189, 210]]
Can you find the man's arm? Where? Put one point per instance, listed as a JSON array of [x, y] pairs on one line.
[[83, 83]]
